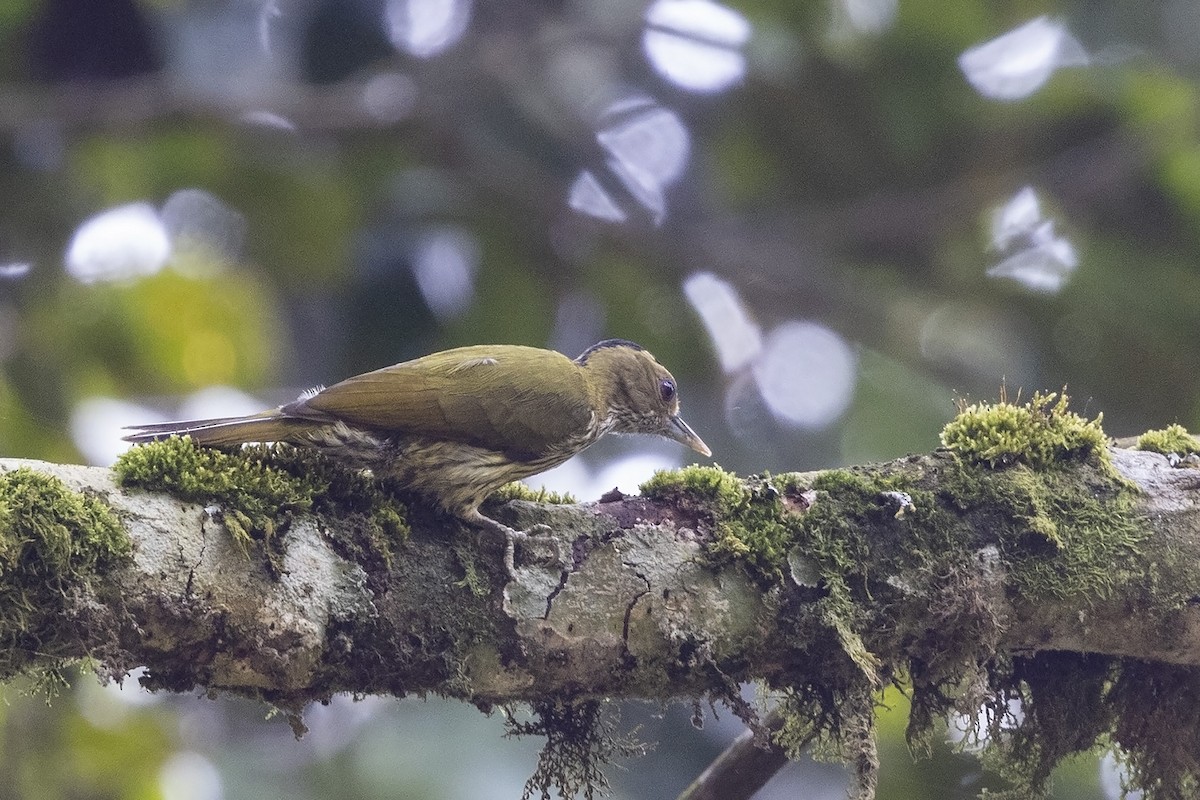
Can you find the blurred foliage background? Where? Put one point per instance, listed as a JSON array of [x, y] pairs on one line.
[[828, 218]]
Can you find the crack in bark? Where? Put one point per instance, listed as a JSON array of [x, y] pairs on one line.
[[187, 589], [632, 603], [562, 584]]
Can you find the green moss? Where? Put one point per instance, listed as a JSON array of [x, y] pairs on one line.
[[1038, 433], [472, 579], [749, 519], [833, 534], [258, 490], [712, 484], [519, 491], [52, 541], [1173, 439], [910, 582], [769, 525], [1060, 533], [1054, 532], [897, 560]]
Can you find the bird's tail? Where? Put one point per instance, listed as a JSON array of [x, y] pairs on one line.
[[269, 426]]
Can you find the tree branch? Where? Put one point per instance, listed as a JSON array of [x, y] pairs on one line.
[[134, 103], [960, 565], [640, 613]]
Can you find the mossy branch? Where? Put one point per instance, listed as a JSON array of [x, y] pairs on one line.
[[1071, 584]]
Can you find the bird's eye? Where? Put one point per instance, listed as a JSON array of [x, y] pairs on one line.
[[666, 390]]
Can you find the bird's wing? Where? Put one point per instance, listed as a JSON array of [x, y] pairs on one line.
[[521, 401]]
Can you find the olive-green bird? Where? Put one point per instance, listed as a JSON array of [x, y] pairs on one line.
[[459, 424]]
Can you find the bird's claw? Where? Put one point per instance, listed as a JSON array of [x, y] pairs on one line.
[[536, 534]]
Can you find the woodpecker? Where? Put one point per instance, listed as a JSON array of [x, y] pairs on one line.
[[457, 425]]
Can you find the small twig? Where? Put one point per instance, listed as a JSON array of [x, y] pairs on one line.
[[744, 767]]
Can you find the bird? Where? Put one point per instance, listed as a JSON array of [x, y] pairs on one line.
[[456, 425]]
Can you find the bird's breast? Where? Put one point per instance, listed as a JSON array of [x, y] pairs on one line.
[[457, 475]]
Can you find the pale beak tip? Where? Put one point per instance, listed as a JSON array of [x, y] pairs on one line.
[[683, 433]]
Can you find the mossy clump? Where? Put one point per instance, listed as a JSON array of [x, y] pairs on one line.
[[907, 594], [581, 738], [1074, 703], [52, 542], [712, 484], [1039, 433], [520, 491], [257, 490], [1054, 533], [1171, 440], [894, 573], [750, 525], [1058, 533], [768, 524]]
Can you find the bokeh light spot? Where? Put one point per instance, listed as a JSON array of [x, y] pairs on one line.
[[806, 374], [1034, 255], [96, 427], [870, 16], [15, 270], [190, 776], [1114, 778], [389, 97], [736, 337], [976, 340], [268, 14], [588, 197], [649, 147], [624, 472], [122, 243], [445, 263], [205, 232], [425, 28], [649, 141], [696, 44], [261, 118], [218, 401], [1016, 64]]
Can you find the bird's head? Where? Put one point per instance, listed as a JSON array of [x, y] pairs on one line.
[[635, 392]]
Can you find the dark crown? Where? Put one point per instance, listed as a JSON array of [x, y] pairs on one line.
[[583, 357]]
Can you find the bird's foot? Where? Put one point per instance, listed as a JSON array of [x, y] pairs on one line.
[[538, 535]]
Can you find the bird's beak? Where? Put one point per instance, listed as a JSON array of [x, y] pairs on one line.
[[681, 432]]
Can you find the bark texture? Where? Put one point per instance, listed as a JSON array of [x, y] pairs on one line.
[[639, 611]]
